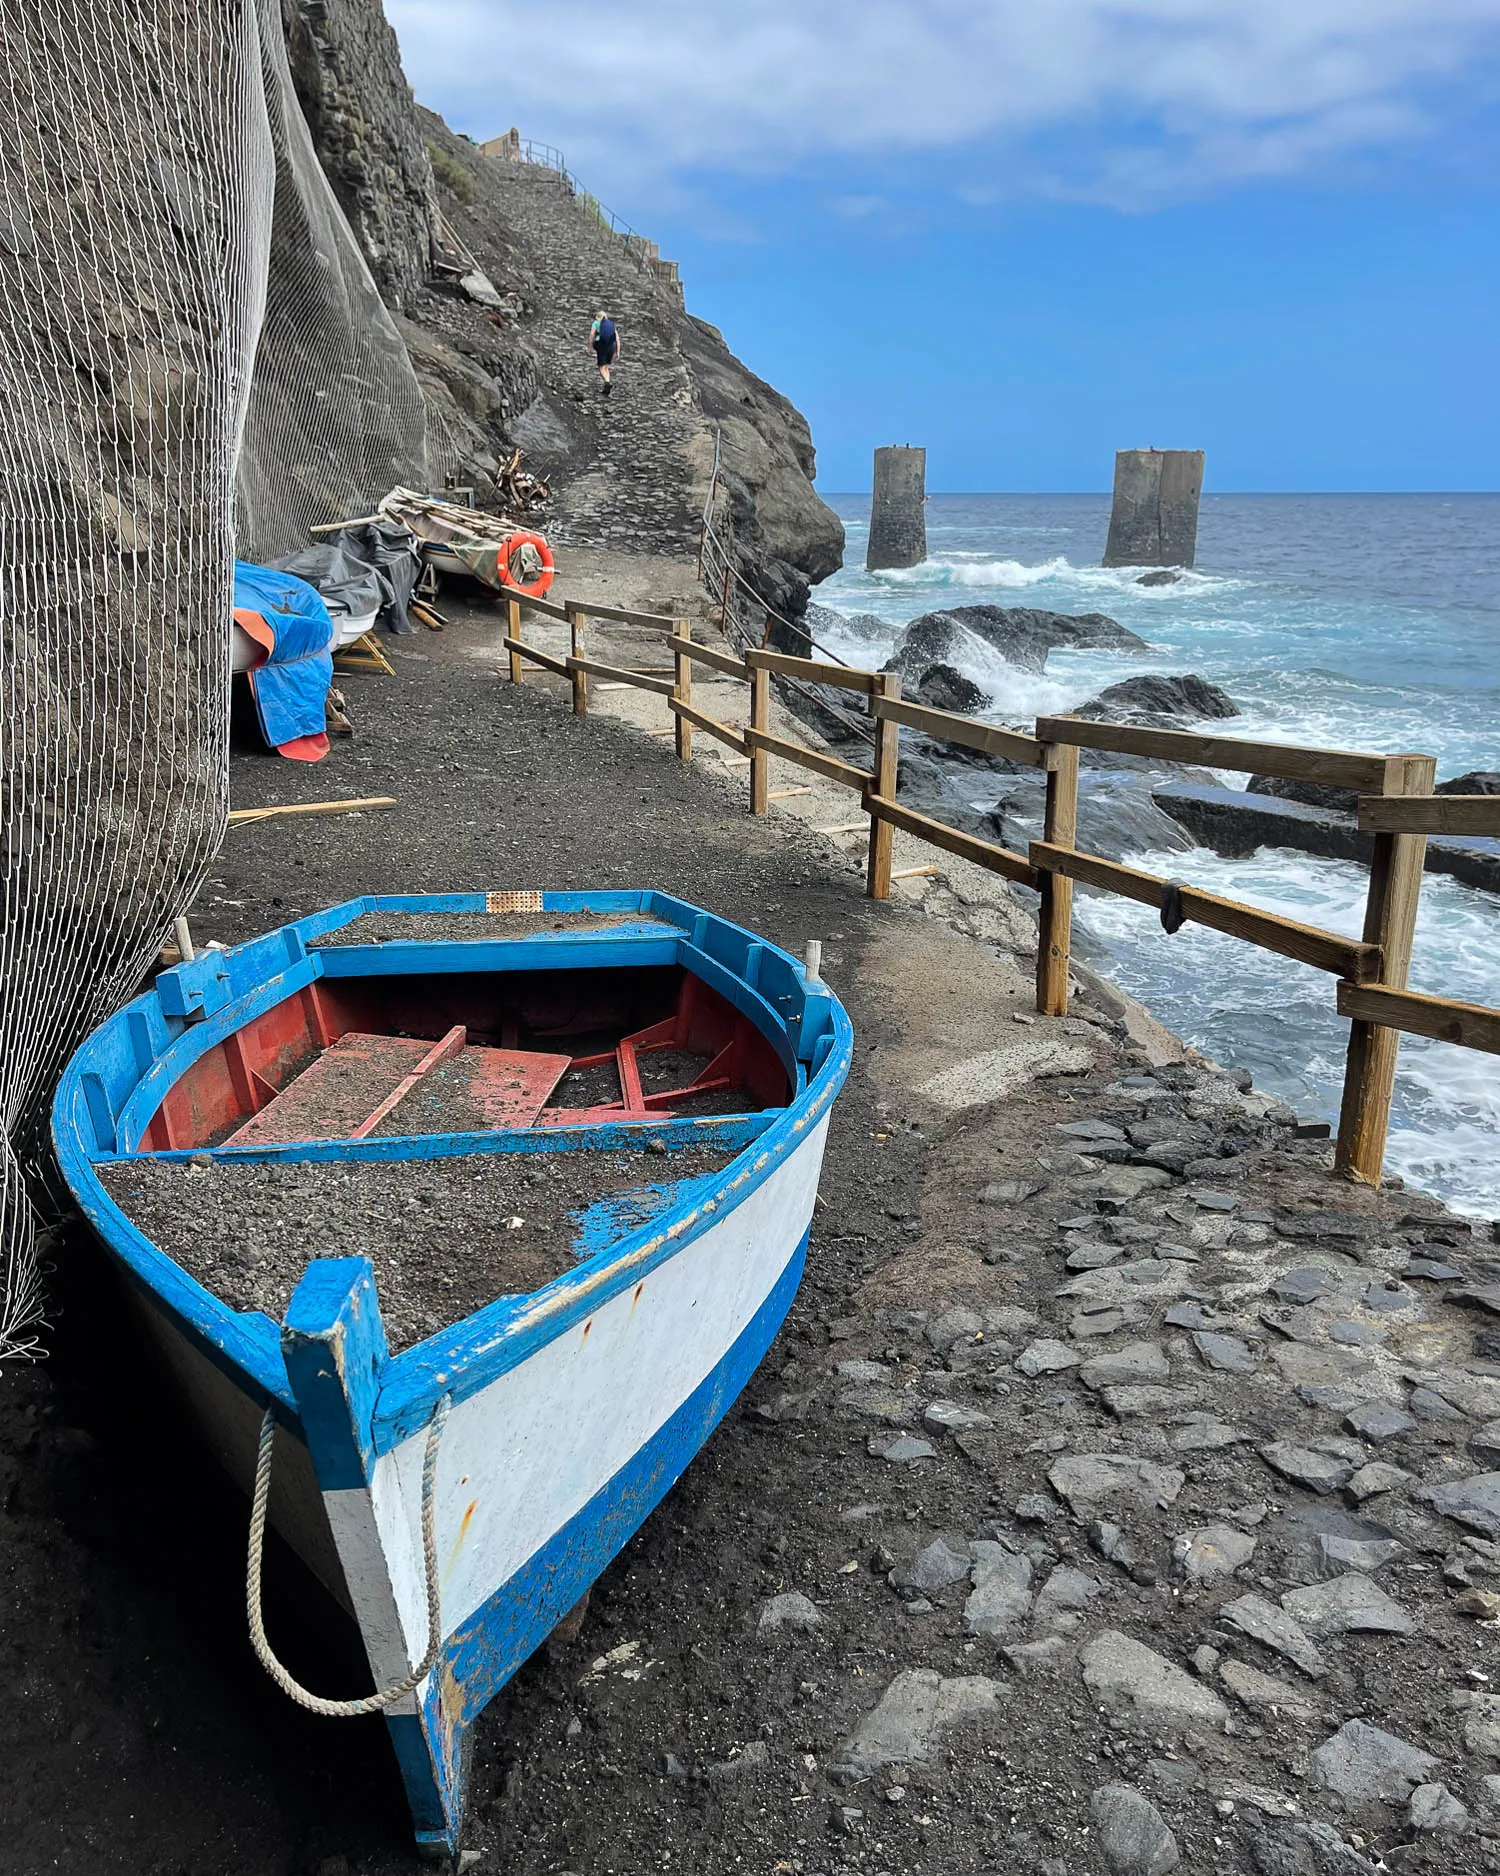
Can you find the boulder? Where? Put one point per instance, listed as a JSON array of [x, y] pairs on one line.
[[1363, 1765], [1475, 782], [1157, 700], [941, 687], [1132, 1836], [1021, 635]]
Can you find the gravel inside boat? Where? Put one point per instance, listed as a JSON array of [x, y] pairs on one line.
[[372, 928], [445, 1236]]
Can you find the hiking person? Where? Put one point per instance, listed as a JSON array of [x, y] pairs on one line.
[[606, 343]]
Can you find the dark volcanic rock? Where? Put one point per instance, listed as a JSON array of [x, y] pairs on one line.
[[1152, 698], [1163, 576], [1475, 782], [1310, 794], [946, 689], [1022, 635]]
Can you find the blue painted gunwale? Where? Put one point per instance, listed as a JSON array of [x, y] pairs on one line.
[[806, 1023]]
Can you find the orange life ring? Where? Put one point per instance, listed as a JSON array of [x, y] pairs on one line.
[[543, 580]]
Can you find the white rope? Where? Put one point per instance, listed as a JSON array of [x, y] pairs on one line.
[[371, 1703]]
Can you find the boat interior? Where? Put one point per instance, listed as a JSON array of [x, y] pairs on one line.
[[360, 1057]]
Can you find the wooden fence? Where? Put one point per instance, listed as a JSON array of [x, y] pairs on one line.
[[1396, 805]]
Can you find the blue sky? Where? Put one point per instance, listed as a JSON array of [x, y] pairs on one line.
[[1026, 234]]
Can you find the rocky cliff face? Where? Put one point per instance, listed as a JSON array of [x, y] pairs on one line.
[[631, 473]]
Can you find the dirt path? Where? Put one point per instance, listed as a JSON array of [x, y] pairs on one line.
[[1078, 1508]]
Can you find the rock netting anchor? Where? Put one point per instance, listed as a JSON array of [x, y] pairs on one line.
[[898, 520]]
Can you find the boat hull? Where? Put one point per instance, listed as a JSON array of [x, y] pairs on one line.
[[569, 1412]]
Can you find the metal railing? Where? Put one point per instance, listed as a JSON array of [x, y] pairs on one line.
[[642, 250]]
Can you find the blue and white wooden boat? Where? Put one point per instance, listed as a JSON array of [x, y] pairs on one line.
[[551, 1423]]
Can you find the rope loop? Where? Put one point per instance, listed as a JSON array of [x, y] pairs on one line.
[[387, 1697]]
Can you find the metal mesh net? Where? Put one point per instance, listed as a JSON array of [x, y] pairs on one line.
[[163, 225]]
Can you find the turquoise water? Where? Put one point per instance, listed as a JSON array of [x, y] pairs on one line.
[[1350, 621]]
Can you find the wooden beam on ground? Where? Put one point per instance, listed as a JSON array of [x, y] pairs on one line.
[[811, 671], [1430, 814], [711, 726], [985, 853], [1339, 768], [785, 794], [830, 766], [364, 805], [949, 727], [1444, 1019], [917, 872], [843, 827], [1324, 950]]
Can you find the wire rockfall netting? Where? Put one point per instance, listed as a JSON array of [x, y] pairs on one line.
[[164, 226]]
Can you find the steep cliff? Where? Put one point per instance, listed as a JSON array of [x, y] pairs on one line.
[[631, 473]]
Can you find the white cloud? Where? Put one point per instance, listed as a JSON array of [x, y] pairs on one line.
[[1166, 97]]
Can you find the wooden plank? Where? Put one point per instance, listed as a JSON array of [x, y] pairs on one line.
[[883, 778], [1325, 950], [711, 726], [843, 827], [711, 655], [1054, 944], [812, 671], [682, 730], [578, 670], [545, 607], [1430, 814], [622, 678], [836, 771], [1341, 768], [985, 853], [1470, 1025], [362, 805], [513, 613], [1390, 923], [917, 872], [784, 794], [760, 721], [623, 615], [949, 727], [530, 652]]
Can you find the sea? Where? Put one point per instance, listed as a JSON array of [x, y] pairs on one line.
[[1367, 622]]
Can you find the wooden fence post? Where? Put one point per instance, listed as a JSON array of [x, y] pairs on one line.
[[883, 782], [1390, 922], [1055, 922], [683, 689], [513, 607], [760, 719], [576, 622]]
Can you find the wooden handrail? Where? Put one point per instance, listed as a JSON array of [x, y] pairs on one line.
[[1444, 1019], [520, 649], [949, 727], [984, 853], [1430, 814], [1310, 944], [1338, 768], [829, 766], [544, 606], [638, 680], [813, 671], [711, 655], [711, 726]]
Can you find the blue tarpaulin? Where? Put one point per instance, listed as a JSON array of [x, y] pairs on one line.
[[291, 687]]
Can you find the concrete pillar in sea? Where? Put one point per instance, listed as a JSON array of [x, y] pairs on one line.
[[1153, 521], [898, 520]]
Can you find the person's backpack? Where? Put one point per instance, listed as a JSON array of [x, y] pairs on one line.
[[605, 335]]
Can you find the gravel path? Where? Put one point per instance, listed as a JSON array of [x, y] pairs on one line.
[[1121, 1495]]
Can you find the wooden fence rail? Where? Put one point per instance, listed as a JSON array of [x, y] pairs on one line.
[[1397, 805]]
